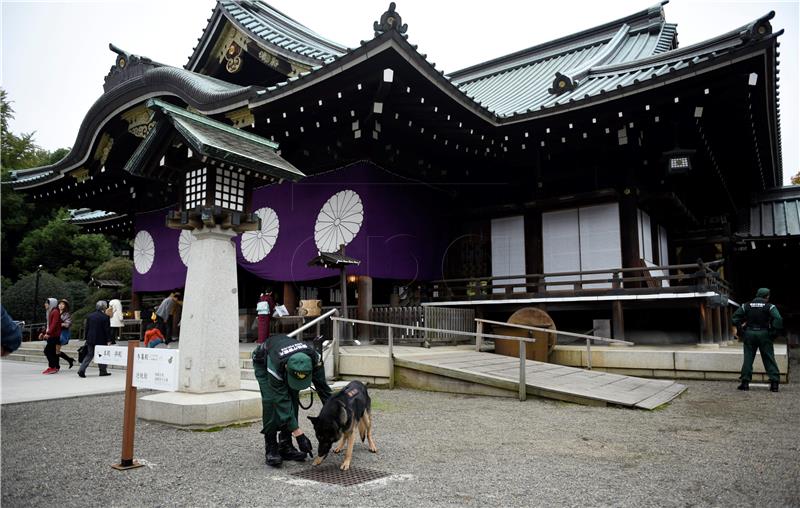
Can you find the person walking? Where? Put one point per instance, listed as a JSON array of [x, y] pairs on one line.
[[98, 333], [283, 367], [66, 335], [759, 322], [52, 334], [115, 313], [165, 313]]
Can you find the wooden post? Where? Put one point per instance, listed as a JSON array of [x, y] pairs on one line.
[[706, 332], [618, 320], [717, 315], [129, 415], [290, 298], [523, 392], [479, 336], [364, 304], [726, 322], [391, 357]]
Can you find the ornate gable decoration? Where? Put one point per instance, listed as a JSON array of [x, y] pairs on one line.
[[127, 66], [390, 20]]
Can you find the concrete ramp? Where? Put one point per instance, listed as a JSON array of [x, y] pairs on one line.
[[542, 379]]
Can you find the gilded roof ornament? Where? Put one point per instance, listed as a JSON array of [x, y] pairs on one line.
[[390, 20]]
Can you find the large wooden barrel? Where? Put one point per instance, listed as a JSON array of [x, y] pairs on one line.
[[529, 316]]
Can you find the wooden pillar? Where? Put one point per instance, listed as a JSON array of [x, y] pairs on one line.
[[290, 297], [618, 321], [364, 304], [629, 232], [706, 331], [136, 301], [726, 323], [534, 257], [716, 312]]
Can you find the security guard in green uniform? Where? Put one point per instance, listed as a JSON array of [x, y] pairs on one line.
[[283, 367], [761, 323]]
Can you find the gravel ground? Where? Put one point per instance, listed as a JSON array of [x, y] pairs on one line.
[[713, 446]]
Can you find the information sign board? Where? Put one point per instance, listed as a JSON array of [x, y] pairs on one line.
[[155, 368]]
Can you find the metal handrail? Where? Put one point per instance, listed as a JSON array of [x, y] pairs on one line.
[[556, 332], [314, 322], [522, 340]]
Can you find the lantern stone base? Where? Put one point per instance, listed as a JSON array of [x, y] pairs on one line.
[[209, 340], [200, 410]]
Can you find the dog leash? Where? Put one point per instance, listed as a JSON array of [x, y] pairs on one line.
[[310, 402]]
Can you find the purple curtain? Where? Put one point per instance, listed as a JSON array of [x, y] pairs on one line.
[[401, 235]]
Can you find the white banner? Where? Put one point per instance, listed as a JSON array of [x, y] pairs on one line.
[[111, 355], [155, 368]]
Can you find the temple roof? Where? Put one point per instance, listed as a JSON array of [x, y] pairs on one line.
[[269, 28], [610, 61], [136, 77], [216, 140], [607, 58], [774, 215]]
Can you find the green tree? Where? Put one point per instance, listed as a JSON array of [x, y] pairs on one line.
[[19, 298], [61, 248], [796, 179], [120, 269], [19, 215]]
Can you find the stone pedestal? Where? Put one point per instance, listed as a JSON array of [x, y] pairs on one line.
[[209, 341], [210, 377]]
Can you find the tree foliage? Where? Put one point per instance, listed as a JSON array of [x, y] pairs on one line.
[[60, 247], [19, 298], [19, 215], [120, 269], [796, 179]]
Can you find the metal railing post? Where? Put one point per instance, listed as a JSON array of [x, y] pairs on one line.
[[589, 354], [391, 358], [479, 337], [523, 392]]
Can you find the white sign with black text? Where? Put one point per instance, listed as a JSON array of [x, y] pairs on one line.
[[111, 355], [156, 369]]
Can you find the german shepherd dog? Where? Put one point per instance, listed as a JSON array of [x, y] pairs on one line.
[[340, 416]]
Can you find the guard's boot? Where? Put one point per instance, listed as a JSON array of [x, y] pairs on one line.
[[745, 386], [773, 386], [287, 449], [271, 446]]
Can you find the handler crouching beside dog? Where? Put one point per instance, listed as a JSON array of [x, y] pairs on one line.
[[283, 367]]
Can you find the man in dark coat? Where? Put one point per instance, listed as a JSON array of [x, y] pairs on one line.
[[98, 333], [760, 322]]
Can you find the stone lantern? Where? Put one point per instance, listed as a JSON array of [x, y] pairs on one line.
[[215, 167]]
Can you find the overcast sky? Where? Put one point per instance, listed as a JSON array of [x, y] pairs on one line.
[[55, 53]]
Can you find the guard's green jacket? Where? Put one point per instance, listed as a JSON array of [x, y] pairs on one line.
[[281, 402], [760, 318]]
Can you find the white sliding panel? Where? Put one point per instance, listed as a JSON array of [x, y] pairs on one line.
[[561, 245], [508, 250], [599, 242]]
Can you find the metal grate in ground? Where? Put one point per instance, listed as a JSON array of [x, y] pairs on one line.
[[330, 473]]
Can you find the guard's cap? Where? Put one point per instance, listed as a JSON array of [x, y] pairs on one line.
[[762, 293], [298, 369]]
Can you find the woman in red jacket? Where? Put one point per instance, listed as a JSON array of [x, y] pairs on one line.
[[52, 335]]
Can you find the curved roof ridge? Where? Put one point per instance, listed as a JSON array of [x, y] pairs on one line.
[[743, 33], [651, 18]]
